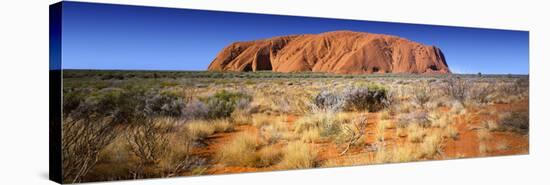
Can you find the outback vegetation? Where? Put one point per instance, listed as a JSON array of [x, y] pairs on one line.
[[147, 124]]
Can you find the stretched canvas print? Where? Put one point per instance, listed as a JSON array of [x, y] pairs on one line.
[[147, 92]]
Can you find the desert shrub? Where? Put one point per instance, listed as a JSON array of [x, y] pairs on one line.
[[298, 155], [517, 121], [148, 141], [178, 157], [326, 124], [328, 101], [480, 94], [163, 104], [223, 103], [72, 99], [421, 95], [353, 132], [392, 100], [440, 120], [91, 126], [420, 118], [457, 88], [371, 97], [293, 103], [195, 110]]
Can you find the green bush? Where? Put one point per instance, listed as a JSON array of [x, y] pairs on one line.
[[223, 103]]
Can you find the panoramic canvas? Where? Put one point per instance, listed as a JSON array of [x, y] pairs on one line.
[[146, 92]]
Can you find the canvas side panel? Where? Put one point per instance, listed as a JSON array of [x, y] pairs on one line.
[[55, 93]]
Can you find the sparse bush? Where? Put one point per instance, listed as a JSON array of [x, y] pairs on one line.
[[457, 108], [163, 104], [457, 88], [148, 141], [91, 126], [354, 132], [372, 97], [328, 125], [480, 94], [420, 118], [195, 110], [328, 101], [517, 121], [422, 94], [223, 103]]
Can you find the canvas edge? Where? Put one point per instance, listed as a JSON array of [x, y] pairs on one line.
[[55, 92]]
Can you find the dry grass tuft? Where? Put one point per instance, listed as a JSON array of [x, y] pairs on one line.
[[491, 125], [483, 134], [298, 155], [416, 133], [431, 146], [380, 130], [483, 148], [260, 120], [200, 130], [223, 125], [269, 155], [241, 151], [241, 118], [451, 132], [311, 136]]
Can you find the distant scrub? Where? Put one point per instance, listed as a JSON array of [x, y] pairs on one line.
[[372, 97], [328, 101], [457, 88]]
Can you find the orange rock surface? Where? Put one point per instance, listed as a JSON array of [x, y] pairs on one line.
[[341, 52]]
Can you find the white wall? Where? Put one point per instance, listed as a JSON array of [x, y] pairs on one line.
[[24, 98]]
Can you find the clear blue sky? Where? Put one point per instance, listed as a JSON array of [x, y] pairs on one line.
[[101, 36]]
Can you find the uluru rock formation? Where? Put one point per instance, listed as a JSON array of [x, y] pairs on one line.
[[342, 52]]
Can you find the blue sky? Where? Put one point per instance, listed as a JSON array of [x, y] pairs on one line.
[[102, 36]]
